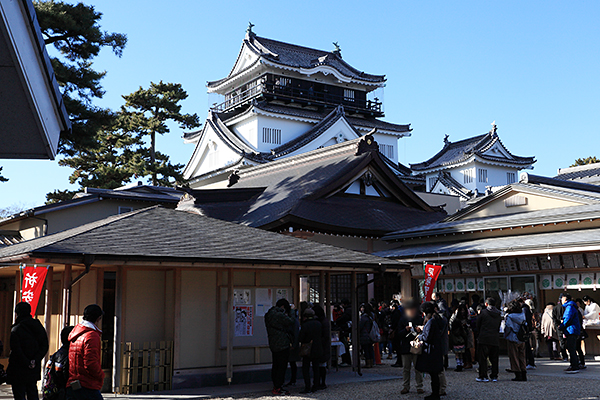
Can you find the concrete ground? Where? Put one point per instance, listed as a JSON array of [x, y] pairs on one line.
[[383, 382]]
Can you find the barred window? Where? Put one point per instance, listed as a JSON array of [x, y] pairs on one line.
[[387, 150], [348, 94], [511, 177], [271, 135], [483, 175], [468, 175]]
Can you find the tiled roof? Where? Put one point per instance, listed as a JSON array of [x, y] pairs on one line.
[[517, 243], [548, 216], [294, 56], [297, 189], [461, 151], [8, 238], [589, 172], [164, 234], [453, 186]]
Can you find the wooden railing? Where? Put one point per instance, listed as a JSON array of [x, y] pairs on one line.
[[146, 367]]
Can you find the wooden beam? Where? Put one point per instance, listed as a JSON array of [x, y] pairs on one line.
[[406, 285], [17, 298], [355, 332], [118, 333], [177, 319], [66, 296], [328, 296], [322, 289], [48, 308], [229, 325]]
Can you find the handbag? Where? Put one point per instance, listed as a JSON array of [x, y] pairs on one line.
[[459, 349], [416, 346], [305, 349]]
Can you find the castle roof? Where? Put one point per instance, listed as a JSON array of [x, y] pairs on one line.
[[455, 153]]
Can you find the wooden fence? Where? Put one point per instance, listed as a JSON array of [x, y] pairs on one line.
[[146, 367]]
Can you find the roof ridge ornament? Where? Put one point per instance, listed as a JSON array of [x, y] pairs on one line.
[[337, 50], [494, 130], [446, 139], [249, 32], [367, 144]]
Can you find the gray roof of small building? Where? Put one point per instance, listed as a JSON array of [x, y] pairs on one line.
[[539, 241], [453, 186], [294, 56], [457, 152], [170, 235], [580, 173]]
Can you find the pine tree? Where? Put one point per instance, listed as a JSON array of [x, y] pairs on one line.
[[146, 113], [74, 30], [586, 161]]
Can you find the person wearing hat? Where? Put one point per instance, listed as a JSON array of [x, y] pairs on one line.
[[85, 370], [28, 347], [280, 333]]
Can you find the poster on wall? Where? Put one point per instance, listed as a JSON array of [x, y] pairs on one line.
[[449, 285], [242, 296], [459, 285], [264, 301], [244, 321], [546, 282], [471, 284], [480, 284], [573, 281], [281, 294], [587, 280], [559, 282]]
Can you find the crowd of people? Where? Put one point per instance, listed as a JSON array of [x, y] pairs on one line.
[[421, 336], [74, 372]]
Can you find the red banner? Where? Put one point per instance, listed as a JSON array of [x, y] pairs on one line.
[[432, 272], [33, 283]]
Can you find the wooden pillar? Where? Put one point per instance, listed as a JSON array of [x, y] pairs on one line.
[[406, 284], [66, 296], [118, 328], [177, 319], [229, 325], [17, 298], [355, 332], [48, 308], [328, 295], [322, 289]]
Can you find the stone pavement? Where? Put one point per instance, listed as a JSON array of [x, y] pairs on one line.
[[547, 382]]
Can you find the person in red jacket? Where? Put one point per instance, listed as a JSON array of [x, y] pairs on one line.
[[85, 371]]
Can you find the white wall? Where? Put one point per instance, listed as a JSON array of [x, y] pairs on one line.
[[496, 176]]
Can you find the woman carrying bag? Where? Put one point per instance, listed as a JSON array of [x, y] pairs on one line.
[[431, 359]]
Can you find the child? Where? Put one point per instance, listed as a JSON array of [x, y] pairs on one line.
[[57, 370]]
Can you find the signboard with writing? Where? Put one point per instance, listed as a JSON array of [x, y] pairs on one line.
[[32, 286]]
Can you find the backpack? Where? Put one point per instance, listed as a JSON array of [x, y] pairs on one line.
[[524, 333], [374, 334], [54, 385]]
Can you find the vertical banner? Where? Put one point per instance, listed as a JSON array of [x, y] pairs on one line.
[[431, 275], [33, 283]]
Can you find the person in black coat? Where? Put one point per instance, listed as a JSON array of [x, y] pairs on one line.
[[431, 361], [311, 333], [28, 347], [397, 314], [344, 324], [557, 315], [326, 342], [488, 339]]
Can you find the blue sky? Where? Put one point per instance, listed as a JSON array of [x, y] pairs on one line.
[[452, 68]]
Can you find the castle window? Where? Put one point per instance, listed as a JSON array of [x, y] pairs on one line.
[[468, 175], [432, 182], [483, 175], [271, 135], [511, 177], [348, 94], [387, 150]]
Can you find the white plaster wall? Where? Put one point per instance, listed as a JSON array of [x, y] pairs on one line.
[[496, 176], [389, 140], [289, 130], [247, 129]]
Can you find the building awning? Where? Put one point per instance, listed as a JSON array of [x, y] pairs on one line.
[[531, 244], [32, 113]]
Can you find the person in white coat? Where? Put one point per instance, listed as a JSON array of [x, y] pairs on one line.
[[591, 313]]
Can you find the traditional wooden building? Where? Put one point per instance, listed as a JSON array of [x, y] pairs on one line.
[[539, 235], [281, 100], [589, 173], [184, 294], [469, 168], [348, 195]]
